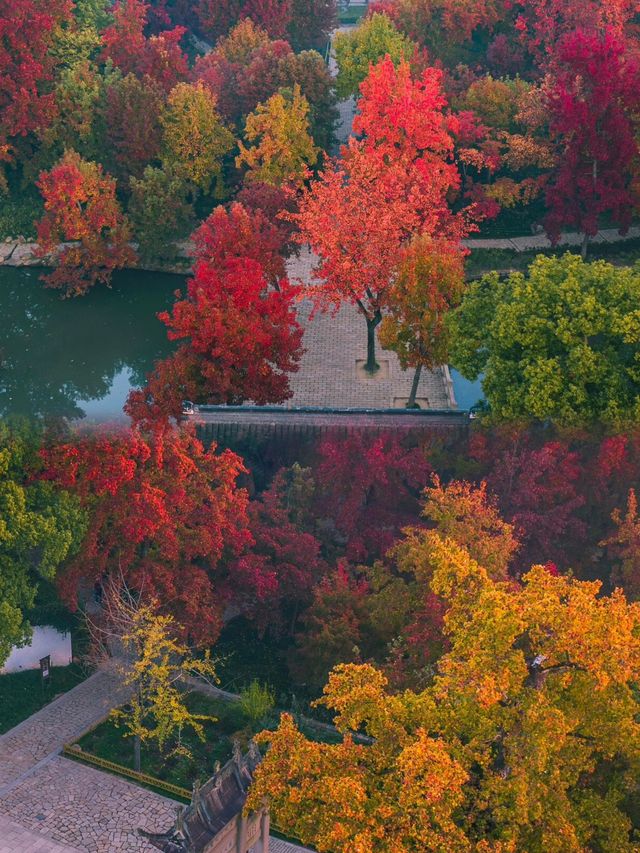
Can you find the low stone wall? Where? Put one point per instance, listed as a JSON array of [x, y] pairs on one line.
[[20, 252]]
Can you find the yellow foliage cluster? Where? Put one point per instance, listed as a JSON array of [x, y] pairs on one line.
[[282, 149], [527, 741]]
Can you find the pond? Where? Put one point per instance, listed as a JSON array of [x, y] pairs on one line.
[[79, 357], [467, 393]]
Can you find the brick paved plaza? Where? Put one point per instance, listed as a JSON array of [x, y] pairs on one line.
[[328, 376]]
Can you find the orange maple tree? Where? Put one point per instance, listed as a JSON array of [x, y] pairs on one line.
[[81, 208], [389, 186]]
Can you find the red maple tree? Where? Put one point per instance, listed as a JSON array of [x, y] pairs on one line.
[[370, 488], [240, 233], [132, 108], [538, 490], [26, 65], [159, 57], [164, 513], [389, 186], [592, 102], [277, 574], [241, 341]]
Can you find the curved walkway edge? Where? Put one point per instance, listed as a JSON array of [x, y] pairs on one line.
[[540, 241]]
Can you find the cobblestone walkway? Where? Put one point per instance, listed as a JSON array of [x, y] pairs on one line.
[[43, 734], [14, 837], [86, 808], [50, 804]]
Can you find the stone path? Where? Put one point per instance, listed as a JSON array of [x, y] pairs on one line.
[[41, 736], [86, 808], [540, 241], [51, 804], [14, 837]]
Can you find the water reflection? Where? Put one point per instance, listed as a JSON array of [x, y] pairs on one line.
[[78, 357]]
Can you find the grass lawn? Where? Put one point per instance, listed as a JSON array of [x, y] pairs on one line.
[[352, 15], [21, 693], [109, 741]]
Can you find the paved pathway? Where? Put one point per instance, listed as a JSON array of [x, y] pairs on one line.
[[540, 241], [50, 804], [14, 837], [87, 809], [328, 374], [41, 736]]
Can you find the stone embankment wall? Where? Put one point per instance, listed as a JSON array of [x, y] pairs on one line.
[[20, 252]]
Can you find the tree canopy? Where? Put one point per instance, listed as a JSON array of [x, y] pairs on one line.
[[559, 343], [40, 527], [526, 740]]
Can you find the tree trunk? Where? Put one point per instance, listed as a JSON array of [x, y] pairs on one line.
[[414, 389], [372, 365], [137, 749], [585, 247]]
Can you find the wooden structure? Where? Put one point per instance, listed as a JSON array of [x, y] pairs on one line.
[[214, 822]]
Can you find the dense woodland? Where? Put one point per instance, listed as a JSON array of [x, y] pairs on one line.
[[471, 601]]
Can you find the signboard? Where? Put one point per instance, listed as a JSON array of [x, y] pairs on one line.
[[45, 669]]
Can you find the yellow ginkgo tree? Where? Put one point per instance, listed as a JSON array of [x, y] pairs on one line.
[[152, 662], [281, 146], [526, 741]]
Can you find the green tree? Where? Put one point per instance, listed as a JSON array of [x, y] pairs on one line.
[[430, 280], [282, 149], [159, 212], [257, 701], [40, 526], [561, 342], [77, 96], [195, 139], [368, 44]]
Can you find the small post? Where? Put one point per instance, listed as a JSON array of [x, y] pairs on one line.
[[265, 827]]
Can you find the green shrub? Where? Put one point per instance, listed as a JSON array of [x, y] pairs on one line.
[[257, 701]]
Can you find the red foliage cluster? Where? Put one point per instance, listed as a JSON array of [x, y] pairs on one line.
[[240, 337], [164, 512], [159, 57], [370, 489], [26, 31], [277, 205], [240, 233], [539, 492], [81, 206], [276, 577], [132, 117], [217, 17], [592, 101]]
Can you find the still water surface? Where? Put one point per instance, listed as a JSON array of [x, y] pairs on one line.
[[79, 357]]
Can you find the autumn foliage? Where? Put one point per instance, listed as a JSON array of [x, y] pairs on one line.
[[26, 66], [521, 708], [81, 207], [164, 511], [239, 339]]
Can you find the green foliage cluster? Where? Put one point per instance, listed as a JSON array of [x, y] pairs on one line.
[[371, 41], [560, 343], [40, 527]]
